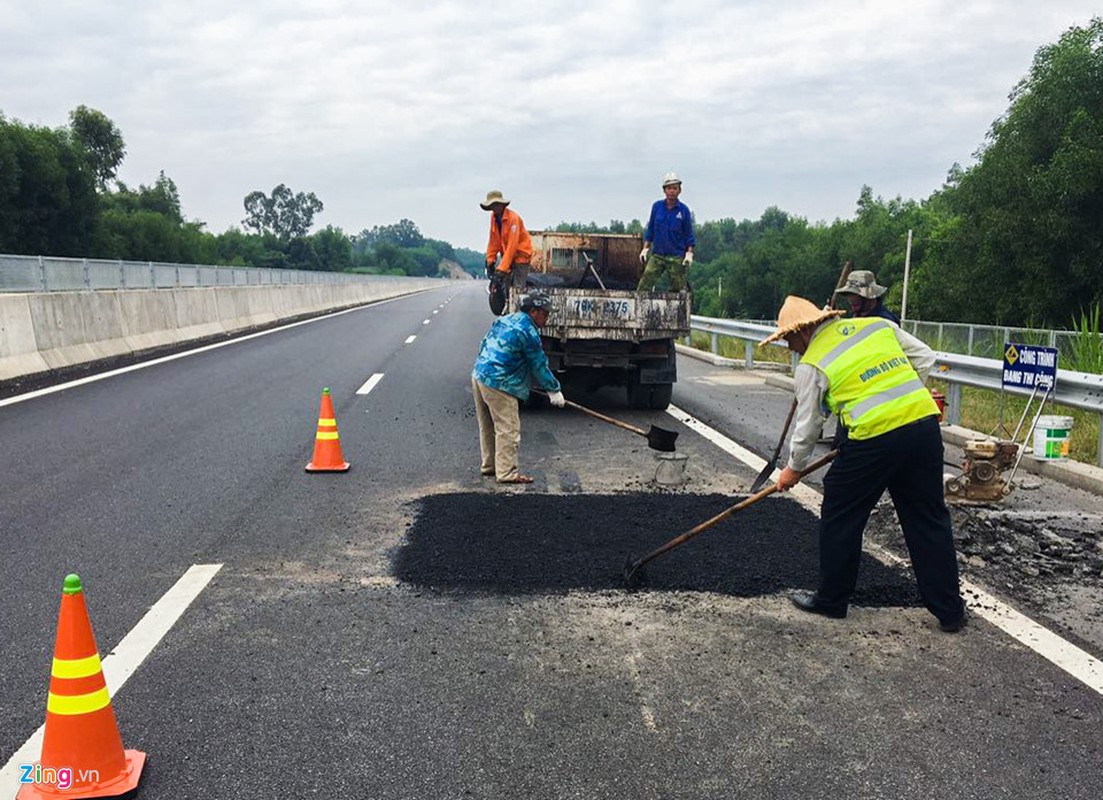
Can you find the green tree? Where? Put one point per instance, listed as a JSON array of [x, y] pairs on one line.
[[284, 214], [48, 201], [1031, 232], [334, 249], [101, 140]]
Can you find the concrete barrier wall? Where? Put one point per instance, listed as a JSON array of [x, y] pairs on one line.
[[45, 331]]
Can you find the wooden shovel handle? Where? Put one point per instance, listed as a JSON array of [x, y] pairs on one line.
[[610, 420], [602, 417], [723, 515]]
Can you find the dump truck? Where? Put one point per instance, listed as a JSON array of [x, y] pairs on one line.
[[603, 332]]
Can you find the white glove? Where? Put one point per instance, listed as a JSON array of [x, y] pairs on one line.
[[644, 254], [557, 399], [688, 260]]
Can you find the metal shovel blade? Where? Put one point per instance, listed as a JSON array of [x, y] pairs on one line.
[[661, 439], [632, 572]]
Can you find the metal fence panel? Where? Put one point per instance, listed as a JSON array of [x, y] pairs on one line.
[[19, 274], [64, 273], [164, 276]]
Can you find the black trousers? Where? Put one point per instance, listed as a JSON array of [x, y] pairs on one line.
[[907, 462]]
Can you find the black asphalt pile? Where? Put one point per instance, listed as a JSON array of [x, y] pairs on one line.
[[529, 542]]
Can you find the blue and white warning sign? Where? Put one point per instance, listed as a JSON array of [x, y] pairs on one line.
[[1026, 366]]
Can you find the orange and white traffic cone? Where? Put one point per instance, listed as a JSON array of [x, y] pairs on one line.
[[327, 445], [82, 752]]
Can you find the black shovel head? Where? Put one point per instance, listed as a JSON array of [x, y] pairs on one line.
[[632, 573], [763, 476], [661, 439]]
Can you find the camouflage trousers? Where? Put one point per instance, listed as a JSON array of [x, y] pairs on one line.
[[656, 266]]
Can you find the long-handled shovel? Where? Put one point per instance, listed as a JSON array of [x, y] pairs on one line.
[[632, 568], [657, 438], [772, 463]]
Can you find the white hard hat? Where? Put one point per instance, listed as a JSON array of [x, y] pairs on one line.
[[671, 179]]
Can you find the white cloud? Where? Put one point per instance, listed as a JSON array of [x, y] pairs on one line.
[[415, 110]]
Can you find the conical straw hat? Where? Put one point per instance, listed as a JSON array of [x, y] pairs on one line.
[[797, 313]]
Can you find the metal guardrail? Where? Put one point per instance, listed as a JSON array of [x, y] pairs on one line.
[[53, 274], [1074, 389], [986, 341]]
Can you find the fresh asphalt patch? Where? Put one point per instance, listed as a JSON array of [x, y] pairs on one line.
[[528, 542]]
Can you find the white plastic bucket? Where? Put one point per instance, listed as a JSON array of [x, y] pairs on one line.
[[1051, 438]]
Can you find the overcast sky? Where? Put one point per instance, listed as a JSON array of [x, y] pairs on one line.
[[574, 110]]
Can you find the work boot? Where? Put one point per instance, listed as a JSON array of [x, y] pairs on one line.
[[806, 601], [955, 625]]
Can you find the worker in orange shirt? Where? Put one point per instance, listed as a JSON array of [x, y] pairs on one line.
[[508, 239]]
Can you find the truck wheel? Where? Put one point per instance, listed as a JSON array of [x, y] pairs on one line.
[[639, 394], [661, 393]]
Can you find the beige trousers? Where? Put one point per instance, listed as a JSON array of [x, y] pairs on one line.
[[499, 430]]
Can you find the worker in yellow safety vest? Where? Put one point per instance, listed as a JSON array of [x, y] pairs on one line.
[[871, 374]]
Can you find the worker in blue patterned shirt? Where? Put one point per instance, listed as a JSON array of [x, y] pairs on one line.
[[668, 241], [510, 359]]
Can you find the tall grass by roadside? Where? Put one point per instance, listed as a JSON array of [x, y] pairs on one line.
[[1087, 345], [734, 348]]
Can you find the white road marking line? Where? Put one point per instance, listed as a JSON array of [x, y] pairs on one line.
[[1076, 662], [436, 310], [410, 339], [61, 387], [127, 656], [808, 497], [425, 322], [646, 712], [370, 383]]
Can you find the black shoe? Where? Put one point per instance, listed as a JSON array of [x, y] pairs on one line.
[[955, 626], [806, 601]]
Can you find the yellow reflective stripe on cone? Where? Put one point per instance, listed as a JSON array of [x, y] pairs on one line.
[[76, 667], [327, 423], [70, 705], [323, 436]]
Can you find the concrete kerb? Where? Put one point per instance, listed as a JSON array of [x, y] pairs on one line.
[[1073, 473], [18, 346], [51, 331]]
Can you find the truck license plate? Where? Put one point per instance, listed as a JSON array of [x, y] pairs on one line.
[[603, 308]]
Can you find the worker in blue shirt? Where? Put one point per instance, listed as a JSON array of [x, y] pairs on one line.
[[668, 241], [510, 359]]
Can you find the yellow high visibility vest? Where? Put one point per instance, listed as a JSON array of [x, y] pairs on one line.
[[871, 384]]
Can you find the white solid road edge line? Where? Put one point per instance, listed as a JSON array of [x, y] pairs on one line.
[[1076, 662], [127, 656], [370, 383]]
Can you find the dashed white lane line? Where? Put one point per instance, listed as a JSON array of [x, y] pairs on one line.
[[370, 383], [436, 310], [425, 322], [127, 656], [410, 339], [1076, 662]]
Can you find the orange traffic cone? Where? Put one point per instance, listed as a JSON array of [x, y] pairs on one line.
[[327, 445], [82, 752]]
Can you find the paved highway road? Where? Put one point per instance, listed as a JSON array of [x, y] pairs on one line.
[[410, 630]]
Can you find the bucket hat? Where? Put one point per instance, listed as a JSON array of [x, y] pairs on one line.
[[797, 313], [492, 198], [671, 179], [862, 283]]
